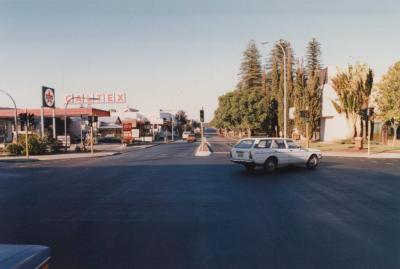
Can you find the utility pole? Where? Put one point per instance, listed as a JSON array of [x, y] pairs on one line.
[[284, 91], [26, 134], [172, 127], [91, 136]]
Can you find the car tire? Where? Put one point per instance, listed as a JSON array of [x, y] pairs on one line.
[[249, 168], [270, 165], [312, 162]]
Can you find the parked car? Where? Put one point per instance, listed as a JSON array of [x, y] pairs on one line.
[[272, 153], [185, 135], [191, 138], [24, 257]]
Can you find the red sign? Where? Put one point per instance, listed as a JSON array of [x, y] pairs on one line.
[[127, 131]]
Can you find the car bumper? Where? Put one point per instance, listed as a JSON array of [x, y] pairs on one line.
[[239, 161]]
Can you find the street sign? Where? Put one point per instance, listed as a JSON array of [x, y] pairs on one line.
[[127, 132], [48, 97]]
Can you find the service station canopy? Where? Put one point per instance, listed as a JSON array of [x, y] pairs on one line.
[[59, 112]]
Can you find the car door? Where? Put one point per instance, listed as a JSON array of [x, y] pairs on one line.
[[295, 153], [279, 149], [262, 151]]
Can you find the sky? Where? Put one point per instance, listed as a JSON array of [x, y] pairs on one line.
[[176, 54]]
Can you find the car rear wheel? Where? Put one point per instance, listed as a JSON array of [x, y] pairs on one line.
[[312, 162], [270, 165]]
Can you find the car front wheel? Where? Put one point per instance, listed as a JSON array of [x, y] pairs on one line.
[[312, 162]]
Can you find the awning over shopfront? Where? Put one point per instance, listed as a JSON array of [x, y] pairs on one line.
[[59, 112]]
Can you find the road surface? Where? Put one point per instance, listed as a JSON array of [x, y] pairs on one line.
[[162, 207]]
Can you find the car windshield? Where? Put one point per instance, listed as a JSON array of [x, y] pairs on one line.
[[245, 144]]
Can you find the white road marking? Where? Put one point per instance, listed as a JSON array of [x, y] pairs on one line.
[[390, 163], [221, 152]]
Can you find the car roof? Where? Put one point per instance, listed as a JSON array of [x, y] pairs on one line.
[[264, 138]]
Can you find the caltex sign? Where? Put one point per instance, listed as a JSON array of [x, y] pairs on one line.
[[48, 97], [96, 98]]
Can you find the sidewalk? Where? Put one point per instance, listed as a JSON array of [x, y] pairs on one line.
[[101, 151], [348, 154]]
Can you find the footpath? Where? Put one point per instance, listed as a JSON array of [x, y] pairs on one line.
[[102, 150], [347, 154]]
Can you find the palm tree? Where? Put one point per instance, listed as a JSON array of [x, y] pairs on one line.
[[353, 87]]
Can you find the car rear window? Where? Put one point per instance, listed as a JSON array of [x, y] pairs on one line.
[[245, 144]]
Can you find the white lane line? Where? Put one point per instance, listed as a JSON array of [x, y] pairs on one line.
[[390, 163], [221, 152]]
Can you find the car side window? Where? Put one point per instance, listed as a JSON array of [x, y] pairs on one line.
[[279, 144], [264, 144], [291, 144]]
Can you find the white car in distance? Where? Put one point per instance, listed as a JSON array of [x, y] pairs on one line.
[[272, 153], [186, 134]]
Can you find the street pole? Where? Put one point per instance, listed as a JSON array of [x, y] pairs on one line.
[[81, 133], [369, 137], [15, 114], [307, 136], [26, 134], [91, 137], [54, 123], [42, 121], [284, 91], [172, 128], [202, 136]]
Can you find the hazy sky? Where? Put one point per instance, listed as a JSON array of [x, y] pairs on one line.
[[176, 54]]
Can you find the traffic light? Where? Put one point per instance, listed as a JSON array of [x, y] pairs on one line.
[[202, 115], [95, 118], [90, 121], [23, 118], [31, 119]]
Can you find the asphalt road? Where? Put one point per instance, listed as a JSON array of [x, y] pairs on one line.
[[164, 208]]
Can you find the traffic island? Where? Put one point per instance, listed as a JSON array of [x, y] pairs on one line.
[[204, 149]]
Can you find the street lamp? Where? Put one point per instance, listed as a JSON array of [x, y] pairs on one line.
[[65, 115], [15, 113], [284, 86]]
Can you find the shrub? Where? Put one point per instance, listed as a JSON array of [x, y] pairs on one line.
[[37, 145], [14, 148]]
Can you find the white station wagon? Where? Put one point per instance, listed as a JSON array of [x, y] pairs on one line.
[[272, 153]]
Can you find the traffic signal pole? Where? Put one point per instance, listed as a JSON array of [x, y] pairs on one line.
[[91, 138], [26, 135]]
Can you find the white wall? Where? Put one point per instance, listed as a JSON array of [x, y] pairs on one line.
[[334, 126]]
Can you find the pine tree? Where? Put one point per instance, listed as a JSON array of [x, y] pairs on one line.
[[313, 57], [250, 68], [299, 93], [314, 87]]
